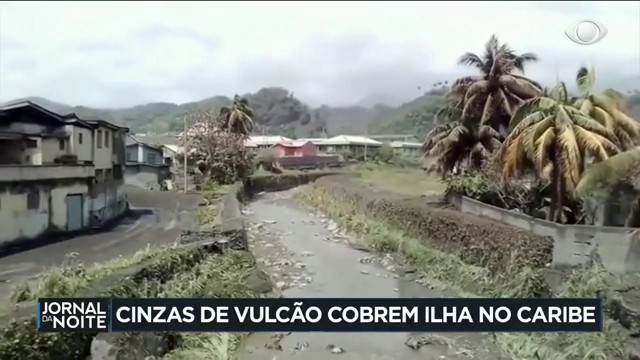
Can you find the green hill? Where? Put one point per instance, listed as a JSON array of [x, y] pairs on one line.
[[278, 111]]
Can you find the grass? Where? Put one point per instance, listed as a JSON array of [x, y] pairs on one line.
[[217, 276], [407, 181], [72, 276], [446, 271]]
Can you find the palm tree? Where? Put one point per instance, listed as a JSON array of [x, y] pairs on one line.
[[238, 118], [608, 108], [618, 173], [458, 144], [556, 139], [498, 91]]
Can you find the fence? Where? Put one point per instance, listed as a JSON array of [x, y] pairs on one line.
[[299, 162]]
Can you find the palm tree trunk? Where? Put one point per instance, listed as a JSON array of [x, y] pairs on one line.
[[633, 220], [556, 195]]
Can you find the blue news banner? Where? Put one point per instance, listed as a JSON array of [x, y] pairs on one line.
[[320, 315]]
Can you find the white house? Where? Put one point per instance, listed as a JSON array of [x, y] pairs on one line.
[[52, 172], [356, 145], [406, 147]]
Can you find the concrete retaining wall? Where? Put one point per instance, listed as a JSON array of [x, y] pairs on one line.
[[617, 248]]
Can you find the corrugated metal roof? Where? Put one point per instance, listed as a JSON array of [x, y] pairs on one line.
[[174, 148], [350, 140], [295, 143], [405, 144], [269, 139]]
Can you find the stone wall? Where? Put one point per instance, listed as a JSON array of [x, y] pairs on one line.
[[477, 240], [618, 248]]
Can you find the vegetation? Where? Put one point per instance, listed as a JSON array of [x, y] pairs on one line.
[[238, 118], [218, 154], [436, 269], [550, 137]]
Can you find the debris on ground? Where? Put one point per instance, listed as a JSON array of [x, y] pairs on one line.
[[274, 344], [269, 222], [335, 349]]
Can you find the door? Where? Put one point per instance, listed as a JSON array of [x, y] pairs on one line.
[[74, 212]]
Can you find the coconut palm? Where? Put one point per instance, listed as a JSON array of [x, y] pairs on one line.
[[608, 108], [238, 118], [457, 144], [556, 139], [619, 172], [498, 91]]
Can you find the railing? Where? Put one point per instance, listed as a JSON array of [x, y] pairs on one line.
[[44, 172]]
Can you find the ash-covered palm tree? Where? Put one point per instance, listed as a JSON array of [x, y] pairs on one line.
[[619, 172], [237, 118], [460, 144], [494, 96], [557, 140], [608, 107]]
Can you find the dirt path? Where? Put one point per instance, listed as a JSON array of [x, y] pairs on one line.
[[309, 257]]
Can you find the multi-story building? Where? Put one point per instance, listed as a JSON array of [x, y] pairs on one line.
[[145, 165], [58, 173]]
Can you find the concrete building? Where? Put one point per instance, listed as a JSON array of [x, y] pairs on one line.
[[58, 173], [356, 145], [295, 148], [145, 165], [406, 148], [170, 154], [265, 142]]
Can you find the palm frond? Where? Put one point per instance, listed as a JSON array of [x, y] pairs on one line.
[[623, 167]]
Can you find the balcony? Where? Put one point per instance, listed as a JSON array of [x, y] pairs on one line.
[[10, 173]]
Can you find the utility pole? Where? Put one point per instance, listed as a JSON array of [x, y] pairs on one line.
[[184, 140], [366, 133]]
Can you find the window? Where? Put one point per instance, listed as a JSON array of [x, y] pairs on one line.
[[61, 144], [99, 138], [99, 177], [129, 156], [107, 175], [33, 200], [80, 138], [31, 144], [106, 138], [151, 158]]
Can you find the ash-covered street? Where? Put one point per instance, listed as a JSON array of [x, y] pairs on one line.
[[157, 218]]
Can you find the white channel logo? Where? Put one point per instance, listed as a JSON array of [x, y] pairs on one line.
[[586, 32]]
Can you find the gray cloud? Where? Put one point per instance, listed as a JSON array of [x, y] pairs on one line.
[[160, 33], [326, 53]]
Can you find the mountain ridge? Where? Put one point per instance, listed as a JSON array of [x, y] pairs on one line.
[[279, 112]]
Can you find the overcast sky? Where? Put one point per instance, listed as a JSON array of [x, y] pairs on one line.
[[120, 54]]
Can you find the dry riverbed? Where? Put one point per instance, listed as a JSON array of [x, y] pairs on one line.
[[307, 255]]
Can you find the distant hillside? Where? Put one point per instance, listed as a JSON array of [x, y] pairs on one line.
[[279, 112]]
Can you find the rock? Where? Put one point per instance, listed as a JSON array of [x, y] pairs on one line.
[[365, 272], [281, 284], [301, 346], [627, 311], [300, 265], [332, 226], [247, 212], [259, 282], [269, 222], [335, 349], [306, 253]]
